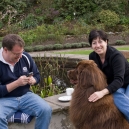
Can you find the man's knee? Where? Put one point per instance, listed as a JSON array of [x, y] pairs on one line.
[[46, 109]]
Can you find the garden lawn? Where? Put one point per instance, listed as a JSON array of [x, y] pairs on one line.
[[123, 48], [79, 52], [86, 52]]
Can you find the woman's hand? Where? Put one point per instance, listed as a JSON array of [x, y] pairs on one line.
[[98, 95]]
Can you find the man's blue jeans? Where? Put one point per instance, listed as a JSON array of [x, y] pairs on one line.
[[30, 104], [121, 100]]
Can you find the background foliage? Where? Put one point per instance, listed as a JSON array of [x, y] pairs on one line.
[[39, 21]]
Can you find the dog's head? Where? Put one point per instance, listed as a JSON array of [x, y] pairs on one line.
[[88, 75], [72, 76]]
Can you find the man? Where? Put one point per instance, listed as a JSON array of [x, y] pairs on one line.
[[15, 95]]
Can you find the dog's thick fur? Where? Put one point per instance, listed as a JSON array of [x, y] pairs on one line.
[[101, 114]]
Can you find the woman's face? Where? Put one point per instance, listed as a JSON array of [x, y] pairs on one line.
[[99, 46]]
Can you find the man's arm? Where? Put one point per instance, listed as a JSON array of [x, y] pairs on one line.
[[21, 81]]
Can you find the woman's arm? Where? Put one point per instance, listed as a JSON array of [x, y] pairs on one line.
[[117, 63], [98, 95]]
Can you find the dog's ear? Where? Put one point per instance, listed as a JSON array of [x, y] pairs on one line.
[[84, 78], [72, 74]]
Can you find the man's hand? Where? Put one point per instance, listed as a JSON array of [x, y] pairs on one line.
[[23, 80], [32, 80]]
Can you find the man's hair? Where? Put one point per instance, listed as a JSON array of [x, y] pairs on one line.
[[94, 34], [10, 40]]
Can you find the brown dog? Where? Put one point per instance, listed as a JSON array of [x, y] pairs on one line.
[[102, 114]]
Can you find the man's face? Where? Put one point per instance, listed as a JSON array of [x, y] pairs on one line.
[[14, 55]]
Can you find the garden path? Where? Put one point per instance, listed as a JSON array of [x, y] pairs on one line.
[[53, 53]]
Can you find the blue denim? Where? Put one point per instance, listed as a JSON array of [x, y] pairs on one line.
[[30, 104], [121, 100]]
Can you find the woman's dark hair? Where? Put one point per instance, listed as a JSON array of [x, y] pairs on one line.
[[94, 34], [10, 40]]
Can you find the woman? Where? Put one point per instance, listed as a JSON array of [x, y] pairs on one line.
[[116, 68]]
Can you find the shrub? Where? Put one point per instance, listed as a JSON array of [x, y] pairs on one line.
[[38, 48], [124, 20], [28, 48], [84, 44], [57, 46], [48, 47], [29, 22], [76, 45], [109, 18], [67, 45], [70, 9], [29, 37], [120, 42]]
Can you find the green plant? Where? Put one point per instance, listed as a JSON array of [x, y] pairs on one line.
[[67, 46], [38, 48], [38, 10], [76, 45], [49, 89], [29, 37], [48, 47], [46, 91], [120, 42], [28, 48], [29, 22], [51, 69], [49, 66], [15, 28], [124, 20], [57, 46], [1, 24], [35, 89], [70, 9], [84, 44], [109, 18]]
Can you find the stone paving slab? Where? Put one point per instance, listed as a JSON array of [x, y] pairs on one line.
[[48, 54], [55, 108], [54, 100]]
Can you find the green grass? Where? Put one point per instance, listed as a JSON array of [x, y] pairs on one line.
[[80, 52], [86, 52], [123, 48]]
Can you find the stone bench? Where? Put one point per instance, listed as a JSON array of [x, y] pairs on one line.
[[59, 120]]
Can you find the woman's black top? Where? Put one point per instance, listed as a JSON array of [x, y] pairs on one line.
[[115, 67]]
